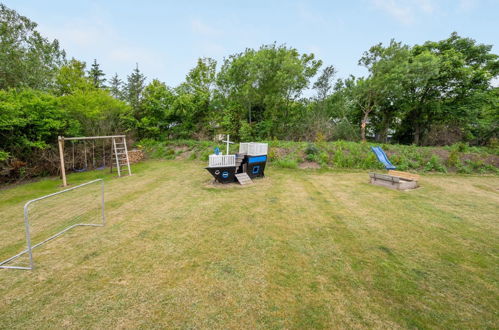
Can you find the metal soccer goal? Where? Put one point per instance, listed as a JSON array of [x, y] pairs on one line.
[[49, 216]]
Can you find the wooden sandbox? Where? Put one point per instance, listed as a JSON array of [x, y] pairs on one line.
[[393, 182]]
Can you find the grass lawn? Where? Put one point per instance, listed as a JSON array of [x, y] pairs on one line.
[[299, 249]]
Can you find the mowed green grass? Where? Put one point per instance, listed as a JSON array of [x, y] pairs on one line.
[[298, 249]]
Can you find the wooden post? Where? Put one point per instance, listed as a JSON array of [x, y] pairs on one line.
[[61, 157], [111, 158], [85, 153]]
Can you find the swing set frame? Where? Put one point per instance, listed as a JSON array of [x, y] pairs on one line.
[[62, 139]]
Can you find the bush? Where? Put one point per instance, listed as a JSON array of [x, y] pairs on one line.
[[311, 149], [286, 163], [435, 164], [245, 131], [453, 160]]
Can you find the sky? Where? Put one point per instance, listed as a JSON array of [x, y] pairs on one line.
[[166, 38]]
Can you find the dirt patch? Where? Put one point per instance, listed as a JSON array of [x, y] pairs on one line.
[[280, 153], [180, 148], [306, 165], [442, 153], [185, 155], [490, 159]]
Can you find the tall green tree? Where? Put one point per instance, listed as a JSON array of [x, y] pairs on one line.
[[134, 88], [116, 87], [260, 87], [445, 86], [26, 58], [96, 75], [31, 120], [71, 77], [194, 102], [156, 113], [318, 116], [379, 95]]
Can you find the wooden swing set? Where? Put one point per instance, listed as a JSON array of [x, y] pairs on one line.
[[119, 154]]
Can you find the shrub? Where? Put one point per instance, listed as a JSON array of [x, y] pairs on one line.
[[311, 149], [246, 131], [435, 164], [287, 163], [453, 159]]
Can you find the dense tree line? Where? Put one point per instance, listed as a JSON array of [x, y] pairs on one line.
[[436, 93]]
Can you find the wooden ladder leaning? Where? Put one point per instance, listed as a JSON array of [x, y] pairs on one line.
[[120, 153]]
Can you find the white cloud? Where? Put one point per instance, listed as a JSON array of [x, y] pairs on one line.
[[405, 11], [208, 39], [204, 29], [400, 12], [426, 6], [309, 15], [92, 37], [466, 5], [78, 33]]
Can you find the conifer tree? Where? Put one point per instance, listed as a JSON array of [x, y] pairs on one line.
[[96, 75], [116, 87], [134, 88]]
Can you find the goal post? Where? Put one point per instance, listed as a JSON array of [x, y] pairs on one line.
[[50, 215]]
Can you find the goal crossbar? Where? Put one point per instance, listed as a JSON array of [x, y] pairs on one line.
[[27, 227]]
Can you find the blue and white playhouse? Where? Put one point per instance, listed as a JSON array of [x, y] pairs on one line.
[[247, 164]]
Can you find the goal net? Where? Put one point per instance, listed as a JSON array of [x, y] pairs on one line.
[[48, 217]]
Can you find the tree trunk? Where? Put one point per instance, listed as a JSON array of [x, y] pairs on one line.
[[363, 126], [417, 132], [382, 135]]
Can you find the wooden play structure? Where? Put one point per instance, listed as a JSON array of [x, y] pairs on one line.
[[394, 179], [93, 154], [242, 167]]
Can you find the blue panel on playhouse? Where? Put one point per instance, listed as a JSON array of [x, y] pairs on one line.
[[258, 159]]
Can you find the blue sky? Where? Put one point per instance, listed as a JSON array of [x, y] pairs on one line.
[[167, 37]]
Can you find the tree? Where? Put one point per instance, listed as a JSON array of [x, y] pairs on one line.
[[116, 87], [324, 84], [71, 77], [317, 118], [30, 120], [97, 75], [260, 87], [95, 111], [381, 93], [26, 58], [447, 79], [156, 113], [134, 88], [193, 104]]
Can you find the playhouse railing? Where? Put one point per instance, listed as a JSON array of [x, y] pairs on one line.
[[253, 148], [222, 160]]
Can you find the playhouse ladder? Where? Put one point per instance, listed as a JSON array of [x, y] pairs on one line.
[[244, 178], [120, 153]]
